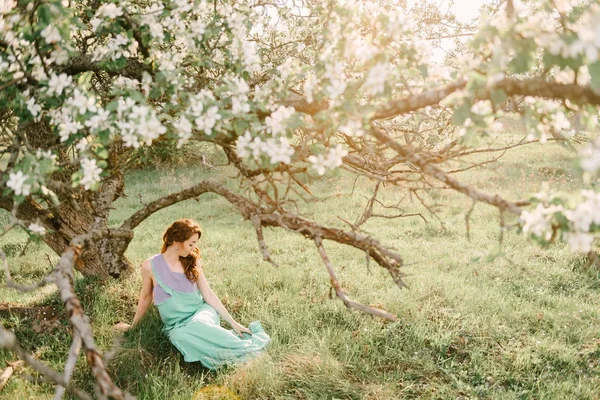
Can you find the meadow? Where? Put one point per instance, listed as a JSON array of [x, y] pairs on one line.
[[522, 325]]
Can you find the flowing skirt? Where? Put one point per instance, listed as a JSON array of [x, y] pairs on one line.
[[201, 338]]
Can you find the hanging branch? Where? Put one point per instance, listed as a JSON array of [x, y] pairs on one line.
[[340, 292], [23, 288], [70, 364], [261, 240], [62, 276], [431, 170], [385, 257], [9, 341]]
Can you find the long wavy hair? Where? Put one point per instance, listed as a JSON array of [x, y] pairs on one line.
[[180, 231]]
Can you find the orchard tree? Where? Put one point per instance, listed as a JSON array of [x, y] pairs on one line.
[[284, 90]]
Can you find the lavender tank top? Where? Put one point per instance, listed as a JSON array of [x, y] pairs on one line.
[[175, 280]]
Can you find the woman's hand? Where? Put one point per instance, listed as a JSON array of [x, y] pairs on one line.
[[239, 329], [121, 326]]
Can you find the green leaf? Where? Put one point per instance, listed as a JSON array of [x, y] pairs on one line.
[[44, 15], [460, 114], [101, 152], [155, 92], [522, 62], [85, 79], [165, 117], [595, 74], [137, 96], [112, 106], [498, 96], [240, 126], [476, 82]]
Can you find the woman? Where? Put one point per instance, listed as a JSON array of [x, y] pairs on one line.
[[189, 308]]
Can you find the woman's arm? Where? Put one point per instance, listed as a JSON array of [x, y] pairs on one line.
[[145, 293], [211, 298]]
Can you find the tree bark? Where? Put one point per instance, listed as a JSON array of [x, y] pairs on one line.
[[89, 210]]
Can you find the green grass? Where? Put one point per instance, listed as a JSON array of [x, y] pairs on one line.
[[523, 326]]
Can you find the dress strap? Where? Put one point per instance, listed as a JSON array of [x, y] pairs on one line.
[[159, 280]]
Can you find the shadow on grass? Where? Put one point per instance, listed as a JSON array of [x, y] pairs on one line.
[[147, 365]]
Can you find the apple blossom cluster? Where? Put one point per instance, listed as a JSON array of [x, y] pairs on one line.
[[333, 159], [79, 111], [117, 47], [29, 178], [275, 150], [352, 127], [202, 113], [276, 123], [576, 225], [376, 78], [243, 49], [590, 157], [239, 96], [91, 173], [547, 118], [137, 123], [17, 181]]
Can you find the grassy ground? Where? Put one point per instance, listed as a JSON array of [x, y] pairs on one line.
[[525, 325]]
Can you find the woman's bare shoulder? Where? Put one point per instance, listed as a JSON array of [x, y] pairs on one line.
[[146, 266]]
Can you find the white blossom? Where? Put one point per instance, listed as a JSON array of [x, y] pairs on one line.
[[207, 121], [198, 28], [257, 146], [91, 173], [352, 128], [559, 122], [82, 145], [95, 23], [37, 229], [318, 163], [33, 108], [309, 87], [16, 181], [535, 222], [590, 157], [67, 128], [335, 74], [331, 160], [58, 83], [279, 150], [579, 241], [375, 82], [251, 57], [239, 105], [184, 130], [109, 10], [482, 107], [99, 120], [6, 6], [58, 56], [45, 154], [277, 122], [51, 34], [241, 145], [562, 6], [117, 47], [81, 102]]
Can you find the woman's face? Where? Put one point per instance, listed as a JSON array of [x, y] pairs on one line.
[[189, 245]]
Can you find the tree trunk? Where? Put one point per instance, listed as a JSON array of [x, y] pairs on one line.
[[88, 210]]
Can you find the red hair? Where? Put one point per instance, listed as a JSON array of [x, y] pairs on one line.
[[180, 231]]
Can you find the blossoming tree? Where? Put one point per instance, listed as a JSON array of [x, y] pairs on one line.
[[283, 90]]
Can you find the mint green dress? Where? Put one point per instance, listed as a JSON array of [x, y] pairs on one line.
[[193, 326]]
